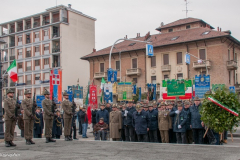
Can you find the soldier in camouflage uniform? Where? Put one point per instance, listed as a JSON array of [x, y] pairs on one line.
[[10, 119], [48, 117], [67, 116], [28, 117]]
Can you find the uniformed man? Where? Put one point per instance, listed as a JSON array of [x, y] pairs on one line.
[[164, 123], [38, 124], [48, 117], [153, 114], [115, 123], [145, 107], [10, 119], [67, 116], [28, 117]]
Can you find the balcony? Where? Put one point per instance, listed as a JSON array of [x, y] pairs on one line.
[[29, 68], [20, 29], [5, 59], [37, 53], [19, 43], [20, 56], [54, 20], [5, 84], [100, 75], [12, 84], [29, 82], [237, 86], [5, 46], [37, 68], [64, 19], [20, 70], [133, 71], [28, 26], [166, 68], [28, 41], [36, 39], [12, 30], [45, 22], [46, 81], [46, 66], [2, 41], [46, 52], [28, 54], [232, 65], [12, 58], [36, 24], [21, 84], [55, 35], [55, 50], [38, 81], [12, 44], [204, 64], [56, 64]]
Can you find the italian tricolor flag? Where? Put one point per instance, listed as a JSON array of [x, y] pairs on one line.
[[12, 71]]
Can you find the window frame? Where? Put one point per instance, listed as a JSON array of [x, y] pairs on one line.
[[37, 64], [179, 76], [100, 70], [163, 59], [136, 63], [153, 65], [118, 69], [181, 58], [199, 55]]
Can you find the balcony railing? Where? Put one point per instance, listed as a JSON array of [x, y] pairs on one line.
[[29, 82], [28, 41], [28, 26], [100, 75], [12, 44], [55, 35], [237, 86], [20, 29], [204, 64], [5, 46], [12, 84], [5, 84], [64, 19], [133, 71], [12, 58], [3, 71], [29, 68], [28, 54], [5, 59], [54, 20], [11, 30], [232, 65], [56, 64], [55, 50], [36, 24], [166, 68], [45, 22]]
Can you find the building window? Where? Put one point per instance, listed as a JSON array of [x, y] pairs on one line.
[[179, 57], [37, 49], [229, 77], [179, 76], [20, 52], [202, 54], [37, 76], [46, 47], [27, 38], [46, 76], [153, 61], [134, 63], [153, 79], [101, 67], [36, 35], [117, 65], [165, 59], [37, 62], [46, 61], [20, 92], [235, 57], [134, 80], [188, 27], [166, 77], [20, 79], [29, 79], [170, 30], [20, 65], [229, 55], [20, 39], [45, 33]]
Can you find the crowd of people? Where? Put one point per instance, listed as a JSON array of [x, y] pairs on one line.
[[171, 121]]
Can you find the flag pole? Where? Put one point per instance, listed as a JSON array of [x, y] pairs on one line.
[[1, 110]]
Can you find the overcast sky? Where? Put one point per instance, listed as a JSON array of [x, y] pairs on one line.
[[117, 18]]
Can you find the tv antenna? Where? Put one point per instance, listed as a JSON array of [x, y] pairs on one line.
[[186, 8]]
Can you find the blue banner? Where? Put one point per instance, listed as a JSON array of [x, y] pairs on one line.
[[108, 96], [70, 97], [78, 94], [134, 89], [152, 91], [202, 85], [111, 75], [69, 88], [39, 99], [232, 89], [139, 93]]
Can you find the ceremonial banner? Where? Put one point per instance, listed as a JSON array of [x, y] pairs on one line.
[[112, 75], [202, 85], [39, 99], [114, 88], [56, 85], [108, 96], [139, 94], [134, 89], [124, 90], [70, 97], [93, 95], [217, 86], [151, 91], [175, 87]]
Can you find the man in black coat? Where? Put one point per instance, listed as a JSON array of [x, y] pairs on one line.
[[73, 128], [94, 114], [129, 129], [38, 124], [79, 121], [84, 121]]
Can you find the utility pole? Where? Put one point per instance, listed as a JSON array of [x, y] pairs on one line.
[[186, 8]]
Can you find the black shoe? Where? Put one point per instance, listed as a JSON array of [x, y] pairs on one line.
[[75, 138], [31, 141], [12, 144], [7, 144], [80, 133], [66, 138], [70, 138], [51, 140], [28, 142], [47, 140]]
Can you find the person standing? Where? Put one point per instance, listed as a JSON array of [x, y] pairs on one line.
[[195, 121], [189, 134], [108, 108], [102, 113], [172, 135], [124, 120], [58, 125], [115, 124], [164, 123], [153, 114], [38, 124], [128, 125], [179, 127], [21, 123], [84, 121], [48, 117], [67, 116], [28, 117], [94, 114], [74, 128], [79, 121], [141, 123], [10, 119]]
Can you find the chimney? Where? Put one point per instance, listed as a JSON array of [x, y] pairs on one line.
[[126, 37], [94, 50], [217, 28], [220, 29], [69, 5]]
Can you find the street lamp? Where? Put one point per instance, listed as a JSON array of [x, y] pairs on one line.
[[201, 60]]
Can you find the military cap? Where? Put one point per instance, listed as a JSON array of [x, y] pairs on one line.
[[101, 119], [27, 92], [150, 105], [10, 91], [46, 92], [180, 105], [154, 103], [196, 98], [102, 104], [138, 107], [131, 101], [186, 103], [38, 107], [179, 100], [162, 104], [65, 93], [114, 106], [145, 106], [84, 107]]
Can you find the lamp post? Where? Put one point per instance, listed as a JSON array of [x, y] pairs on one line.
[[201, 60]]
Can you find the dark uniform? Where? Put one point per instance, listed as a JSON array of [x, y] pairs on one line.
[[21, 124], [28, 118], [48, 117], [57, 123], [10, 120], [153, 114], [67, 116], [189, 134], [129, 129], [38, 125]]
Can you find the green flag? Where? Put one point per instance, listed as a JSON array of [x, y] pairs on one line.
[[175, 87], [86, 101]]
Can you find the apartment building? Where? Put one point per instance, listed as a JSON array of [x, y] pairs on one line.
[[53, 39], [218, 50]]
